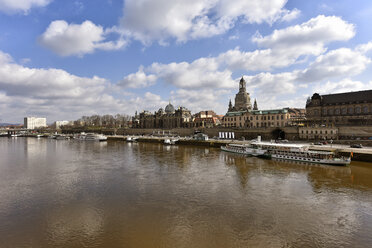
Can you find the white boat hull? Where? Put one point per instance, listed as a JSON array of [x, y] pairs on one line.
[[313, 160]]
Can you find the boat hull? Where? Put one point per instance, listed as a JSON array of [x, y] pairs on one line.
[[339, 162]]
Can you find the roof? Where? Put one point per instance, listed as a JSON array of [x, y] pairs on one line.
[[235, 113], [357, 96], [270, 111]]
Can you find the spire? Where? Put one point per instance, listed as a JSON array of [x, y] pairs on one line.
[[230, 106], [255, 105]]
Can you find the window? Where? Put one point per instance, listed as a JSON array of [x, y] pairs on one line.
[[358, 110], [324, 111], [330, 111], [365, 110], [282, 117], [272, 117], [351, 110], [337, 111], [277, 117], [256, 118], [343, 111]]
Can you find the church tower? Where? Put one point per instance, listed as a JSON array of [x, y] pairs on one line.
[[242, 98], [255, 105]]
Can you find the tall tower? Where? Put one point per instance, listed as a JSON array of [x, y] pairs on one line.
[[255, 105], [230, 107], [242, 98]]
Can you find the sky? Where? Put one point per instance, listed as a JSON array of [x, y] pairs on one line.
[[65, 59]]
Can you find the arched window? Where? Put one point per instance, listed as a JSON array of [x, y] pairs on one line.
[[351, 110], [365, 110], [357, 110]]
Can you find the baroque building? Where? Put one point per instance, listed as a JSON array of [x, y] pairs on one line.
[[352, 108], [241, 115], [242, 99], [163, 118]]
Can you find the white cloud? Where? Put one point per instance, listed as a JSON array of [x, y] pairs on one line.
[[77, 39], [339, 63], [52, 92], [138, 80], [286, 46], [321, 29], [291, 15], [14, 6], [198, 100], [150, 20], [345, 85], [200, 73], [364, 48], [342, 62]]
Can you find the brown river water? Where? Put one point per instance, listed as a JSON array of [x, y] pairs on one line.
[[67, 193]]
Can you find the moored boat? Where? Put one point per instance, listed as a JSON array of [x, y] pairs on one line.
[[301, 152], [245, 149], [170, 141]]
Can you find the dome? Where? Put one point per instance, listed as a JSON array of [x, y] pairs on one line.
[[169, 109]]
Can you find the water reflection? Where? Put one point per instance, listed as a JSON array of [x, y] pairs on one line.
[[91, 194]]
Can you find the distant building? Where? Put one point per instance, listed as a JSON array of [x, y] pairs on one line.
[[59, 124], [318, 132], [34, 122], [241, 115], [242, 99], [168, 118], [206, 119], [352, 108]]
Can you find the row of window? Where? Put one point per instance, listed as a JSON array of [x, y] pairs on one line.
[[257, 118], [344, 111], [316, 132]]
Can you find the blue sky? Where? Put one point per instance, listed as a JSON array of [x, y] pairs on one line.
[[64, 59]]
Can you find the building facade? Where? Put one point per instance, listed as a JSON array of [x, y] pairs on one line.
[[206, 119], [352, 108], [164, 119], [241, 115], [34, 122], [317, 132], [242, 99], [59, 124]]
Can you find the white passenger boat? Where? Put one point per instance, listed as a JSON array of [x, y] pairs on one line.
[[90, 137], [131, 139], [246, 149], [170, 141], [301, 152], [95, 137]]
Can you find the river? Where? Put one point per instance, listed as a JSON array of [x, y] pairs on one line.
[[67, 193]]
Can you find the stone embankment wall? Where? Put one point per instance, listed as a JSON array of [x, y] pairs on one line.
[[290, 133]]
